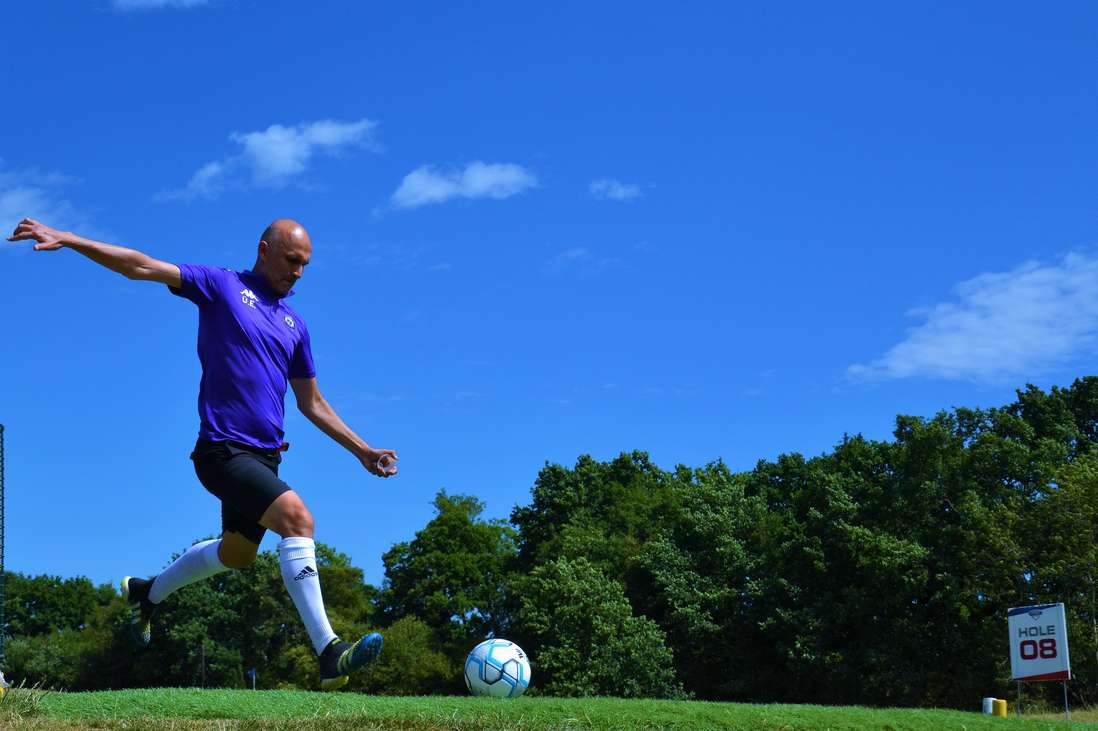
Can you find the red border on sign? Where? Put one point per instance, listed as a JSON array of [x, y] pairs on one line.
[[1059, 675]]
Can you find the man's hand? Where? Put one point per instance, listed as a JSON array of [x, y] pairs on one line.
[[371, 457], [129, 263], [317, 409], [49, 239]]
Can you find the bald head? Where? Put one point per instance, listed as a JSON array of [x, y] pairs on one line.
[[284, 250], [284, 230]]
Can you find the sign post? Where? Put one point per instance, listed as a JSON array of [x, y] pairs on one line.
[[1039, 645]]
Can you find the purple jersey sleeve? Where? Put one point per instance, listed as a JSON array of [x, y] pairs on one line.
[[301, 363], [200, 284]]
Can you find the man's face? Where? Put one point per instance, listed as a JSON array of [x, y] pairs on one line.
[[283, 264]]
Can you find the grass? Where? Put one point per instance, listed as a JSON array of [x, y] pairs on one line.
[[193, 709]]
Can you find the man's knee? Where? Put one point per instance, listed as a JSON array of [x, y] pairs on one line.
[[236, 561], [236, 552], [288, 517], [299, 522]]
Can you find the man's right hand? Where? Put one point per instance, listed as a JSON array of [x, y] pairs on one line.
[[380, 462], [48, 239]]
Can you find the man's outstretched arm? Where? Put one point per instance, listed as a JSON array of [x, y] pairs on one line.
[[127, 262], [321, 413]]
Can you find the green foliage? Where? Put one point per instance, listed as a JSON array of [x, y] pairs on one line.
[[243, 619], [692, 576], [580, 628], [601, 511], [453, 575], [93, 658], [879, 572], [207, 633], [411, 664], [1065, 522], [36, 605]]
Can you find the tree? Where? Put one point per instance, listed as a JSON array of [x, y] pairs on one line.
[[95, 657], [36, 605], [1065, 560], [692, 577], [411, 664], [453, 575], [603, 511], [584, 639], [214, 630], [879, 572]]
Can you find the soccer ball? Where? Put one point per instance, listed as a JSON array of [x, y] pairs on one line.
[[497, 668]]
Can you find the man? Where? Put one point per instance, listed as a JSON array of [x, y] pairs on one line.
[[250, 344]]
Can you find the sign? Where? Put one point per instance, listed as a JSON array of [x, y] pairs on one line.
[[1038, 643]]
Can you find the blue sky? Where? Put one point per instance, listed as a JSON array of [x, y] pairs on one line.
[[721, 232]]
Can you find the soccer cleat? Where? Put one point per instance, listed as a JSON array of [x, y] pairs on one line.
[[340, 659], [136, 592]]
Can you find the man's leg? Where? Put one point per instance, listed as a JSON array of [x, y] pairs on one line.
[[237, 550], [288, 517], [241, 484], [200, 561]]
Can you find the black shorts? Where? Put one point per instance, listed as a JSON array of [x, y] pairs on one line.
[[245, 480]]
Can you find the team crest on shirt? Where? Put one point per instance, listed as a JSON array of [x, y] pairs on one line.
[[289, 321], [248, 297]]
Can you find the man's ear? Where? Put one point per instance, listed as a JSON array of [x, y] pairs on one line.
[[264, 249]]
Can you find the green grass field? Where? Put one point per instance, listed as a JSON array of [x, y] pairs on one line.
[[188, 709]]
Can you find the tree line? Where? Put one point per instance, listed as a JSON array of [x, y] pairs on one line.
[[877, 573]]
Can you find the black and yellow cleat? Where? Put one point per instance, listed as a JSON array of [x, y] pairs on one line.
[[340, 659], [136, 592]]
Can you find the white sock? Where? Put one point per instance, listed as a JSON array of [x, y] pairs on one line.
[[297, 556], [198, 562]]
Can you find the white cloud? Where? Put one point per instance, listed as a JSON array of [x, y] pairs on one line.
[[156, 4], [23, 202], [280, 152], [478, 180], [31, 193], [207, 182], [616, 190], [1002, 325], [273, 156], [33, 176]]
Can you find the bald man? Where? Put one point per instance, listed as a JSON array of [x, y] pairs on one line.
[[250, 343]]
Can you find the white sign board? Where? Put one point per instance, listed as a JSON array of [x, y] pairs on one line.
[[1039, 643]]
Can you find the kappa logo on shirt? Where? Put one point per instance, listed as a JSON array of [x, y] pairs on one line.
[[289, 321], [248, 297]]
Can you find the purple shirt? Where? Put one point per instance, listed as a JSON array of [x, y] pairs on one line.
[[249, 342]]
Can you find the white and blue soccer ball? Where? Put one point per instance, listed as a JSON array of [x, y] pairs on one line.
[[497, 668]]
